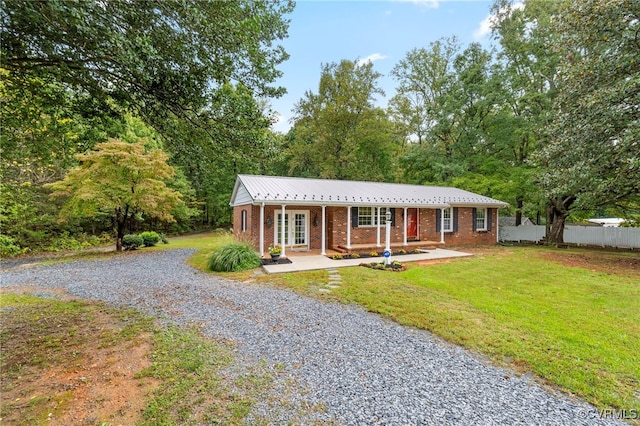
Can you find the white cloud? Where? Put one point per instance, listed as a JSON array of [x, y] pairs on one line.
[[487, 23], [370, 58], [431, 4]]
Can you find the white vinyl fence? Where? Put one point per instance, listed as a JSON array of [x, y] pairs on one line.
[[581, 235]]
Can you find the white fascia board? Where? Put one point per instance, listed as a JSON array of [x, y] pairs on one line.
[[492, 205], [346, 204]]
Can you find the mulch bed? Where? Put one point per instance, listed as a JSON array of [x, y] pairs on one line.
[[367, 255], [280, 261], [395, 267]]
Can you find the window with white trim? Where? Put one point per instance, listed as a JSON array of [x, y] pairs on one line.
[[447, 222], [481, 219], [243, 226], [368, 216]]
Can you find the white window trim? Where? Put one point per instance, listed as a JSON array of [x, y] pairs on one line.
[[243, 219], [374, 216], [450, 228], [484, 217]]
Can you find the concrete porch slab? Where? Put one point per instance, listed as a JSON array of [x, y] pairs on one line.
[[309, 263]]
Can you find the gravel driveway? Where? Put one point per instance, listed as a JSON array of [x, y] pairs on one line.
[[361, 369]]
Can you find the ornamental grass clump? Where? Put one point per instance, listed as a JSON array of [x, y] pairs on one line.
[[234, 257]]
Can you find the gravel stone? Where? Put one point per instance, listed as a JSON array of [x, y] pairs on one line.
[[332, 363]]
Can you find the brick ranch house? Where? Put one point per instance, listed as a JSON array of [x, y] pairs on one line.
[[342, 215]]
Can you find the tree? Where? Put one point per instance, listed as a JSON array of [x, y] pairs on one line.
[[528, 76], [593, 157], [338, 132], [424, 76], [460, 108], [122, 178], [237, 140], [153, 56]]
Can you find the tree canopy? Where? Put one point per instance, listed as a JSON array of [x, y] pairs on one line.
[[339, 133], [153, 56]]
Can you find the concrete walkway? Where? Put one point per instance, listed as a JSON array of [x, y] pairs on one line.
[[309, 263]]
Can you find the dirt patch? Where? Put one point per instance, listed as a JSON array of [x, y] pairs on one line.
[[71, 366], [623, 264]]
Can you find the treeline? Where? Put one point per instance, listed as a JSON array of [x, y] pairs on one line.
[[547, 121]]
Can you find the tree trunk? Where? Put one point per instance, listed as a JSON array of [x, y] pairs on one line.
[[121, 220], [557, 213], [519, 203]]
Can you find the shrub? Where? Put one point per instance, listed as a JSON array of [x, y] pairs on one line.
[[234, 257], [150, 238], [163, 238], [336, 256], [402, 251], [132, 241], [9, 247], [355, 255], [373, 254]]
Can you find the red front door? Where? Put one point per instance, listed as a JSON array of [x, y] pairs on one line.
[[412, 224]]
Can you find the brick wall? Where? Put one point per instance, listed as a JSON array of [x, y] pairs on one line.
[[336, 228]]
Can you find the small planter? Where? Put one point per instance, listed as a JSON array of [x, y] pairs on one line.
[[275, 257]]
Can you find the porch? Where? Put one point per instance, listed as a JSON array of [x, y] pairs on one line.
[[312, 260]]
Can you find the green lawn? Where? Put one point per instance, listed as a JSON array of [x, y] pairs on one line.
[[576, 328]]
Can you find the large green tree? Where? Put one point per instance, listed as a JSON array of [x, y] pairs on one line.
[[528, 86], [424, 76], [338, 132], [236, 140], [459, 107], [155, 56], [593, 156], [122, 179]]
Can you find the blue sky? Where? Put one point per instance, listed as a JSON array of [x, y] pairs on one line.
[[329, 31]]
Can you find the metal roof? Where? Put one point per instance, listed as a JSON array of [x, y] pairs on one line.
[[303, 191]]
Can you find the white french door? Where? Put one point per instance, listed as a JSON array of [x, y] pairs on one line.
[[296, 229]]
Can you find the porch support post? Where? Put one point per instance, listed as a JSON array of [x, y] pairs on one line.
[[262, 230], [324, 237], [378, 233], [442, 225], [404, 237], [283, 232], [497, 227], [349, 227]]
